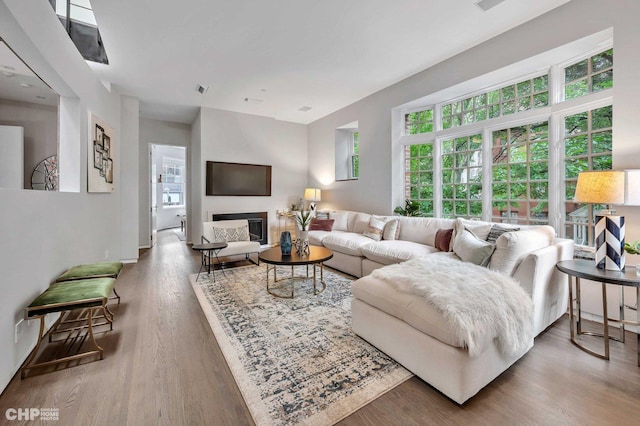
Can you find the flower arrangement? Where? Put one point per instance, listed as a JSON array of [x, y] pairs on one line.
[[303, 219]]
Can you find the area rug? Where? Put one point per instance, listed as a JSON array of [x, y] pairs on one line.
[[296, 361]]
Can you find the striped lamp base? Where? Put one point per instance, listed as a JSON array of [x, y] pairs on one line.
[[610, 242]]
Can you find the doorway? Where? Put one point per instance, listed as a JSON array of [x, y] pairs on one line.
[[168, 191]]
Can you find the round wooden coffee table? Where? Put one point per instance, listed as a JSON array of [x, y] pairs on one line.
[[317, 255]]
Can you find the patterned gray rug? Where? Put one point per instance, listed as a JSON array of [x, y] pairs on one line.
[[296, 361]]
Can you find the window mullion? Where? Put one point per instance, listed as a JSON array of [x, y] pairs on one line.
[[487, 175], [556, 174], [437, 177]]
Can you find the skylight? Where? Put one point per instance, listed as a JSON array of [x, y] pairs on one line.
[[80, 23]]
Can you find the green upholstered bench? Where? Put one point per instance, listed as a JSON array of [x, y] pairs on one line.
[[93, 270], [85, 295]]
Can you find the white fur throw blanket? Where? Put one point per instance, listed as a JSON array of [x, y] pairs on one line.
[[480, 305]]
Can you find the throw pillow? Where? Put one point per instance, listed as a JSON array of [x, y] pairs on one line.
[[497, 230], [230, 235], [321, 224], [443, 239], [512, 247], [391, 230], [341, 220], [470, 248], [375, 228]]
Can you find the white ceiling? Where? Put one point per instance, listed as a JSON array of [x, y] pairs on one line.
[[19, 83], [289, 53]]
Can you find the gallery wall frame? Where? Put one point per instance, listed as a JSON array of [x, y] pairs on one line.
[[100, 170]]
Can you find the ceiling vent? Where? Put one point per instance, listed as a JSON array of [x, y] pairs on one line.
[[202, 89], [488, 4], [304, 108]]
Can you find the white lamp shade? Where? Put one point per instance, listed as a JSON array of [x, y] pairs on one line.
[[601, 187], [632, 188], [312, 194]]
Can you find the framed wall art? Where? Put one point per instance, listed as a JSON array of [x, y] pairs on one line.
[[101, 153]]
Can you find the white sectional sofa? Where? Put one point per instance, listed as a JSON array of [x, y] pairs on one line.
[[411, 331]]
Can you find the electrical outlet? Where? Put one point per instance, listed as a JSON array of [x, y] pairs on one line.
[[20, 329]]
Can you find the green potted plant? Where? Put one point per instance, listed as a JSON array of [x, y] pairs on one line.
[[303, 219], [632, 248], [411, 208]]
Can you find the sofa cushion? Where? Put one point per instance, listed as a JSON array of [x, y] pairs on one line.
[[321, 224], [316, 237], [341, 220], [422, 229], [346, 242], [238, 247], [511, 247], [395, 251], [443, 239], [478, 228], [391, 229], [358, 222], [412, 309], [472, 249], [497, 230], [375, 228]]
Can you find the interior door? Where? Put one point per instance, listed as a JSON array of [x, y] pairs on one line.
[[153, 191]]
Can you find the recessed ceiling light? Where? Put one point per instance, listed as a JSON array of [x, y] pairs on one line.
[[7, 67], [23, 84], [201, 89], [253, 100], [304, 108], [8, 73]]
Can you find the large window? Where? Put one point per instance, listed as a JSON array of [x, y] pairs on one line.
[[512, 98], [418, 122], [462, 177], [520, 189], [512, 152], [354, 170], [419, 176], [589, 75], [172, 183], [347, 151], [587, 146]]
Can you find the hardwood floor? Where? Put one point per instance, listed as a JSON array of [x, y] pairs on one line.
[[163, 366]]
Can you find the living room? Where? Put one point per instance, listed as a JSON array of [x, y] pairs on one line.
[[45, 233]]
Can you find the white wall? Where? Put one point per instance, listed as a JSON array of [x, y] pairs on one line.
[[11, 157], [577, 19], [243, 138], [128, 171], [40, 124], [43, 233], [159, 133]]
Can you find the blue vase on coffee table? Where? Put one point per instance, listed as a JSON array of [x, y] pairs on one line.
[[285, 243]]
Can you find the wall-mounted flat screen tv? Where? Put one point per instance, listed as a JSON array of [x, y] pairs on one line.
[[238, 179]]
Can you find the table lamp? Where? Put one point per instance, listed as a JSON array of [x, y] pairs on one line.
[[605, 187], [632, 188], [312, 195]]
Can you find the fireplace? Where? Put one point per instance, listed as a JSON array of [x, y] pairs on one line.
[[258, 224]]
